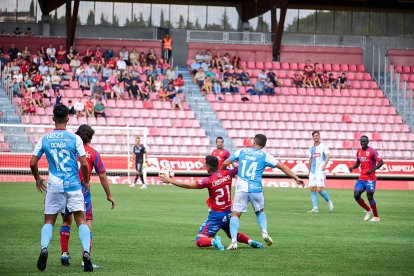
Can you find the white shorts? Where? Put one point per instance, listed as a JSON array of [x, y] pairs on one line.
[[317, 179], [242, 198], [56, 203]]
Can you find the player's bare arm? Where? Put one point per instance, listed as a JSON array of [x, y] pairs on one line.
[[379, 165], [356, 165], [326, 162], [85, 170], [177, 183], [40, 186], [105, 185], [289, 173], [225, 164]]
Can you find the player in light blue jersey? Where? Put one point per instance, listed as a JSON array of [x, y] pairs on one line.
[[63, 190], [318, 160], [249, 187]]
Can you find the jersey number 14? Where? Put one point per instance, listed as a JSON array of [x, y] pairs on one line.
[[251, 170]]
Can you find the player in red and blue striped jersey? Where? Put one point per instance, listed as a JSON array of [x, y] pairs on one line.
[[370, 161], [219, 202], [94, 162]]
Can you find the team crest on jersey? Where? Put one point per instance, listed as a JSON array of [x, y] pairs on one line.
[[66, 184], [367, 153]]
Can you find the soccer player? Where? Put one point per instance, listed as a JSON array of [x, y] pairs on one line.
[[249, 188], [64, 186], [220, 152], [139, 157], [318, 160], [219, 189], [370, 161], [94, 160]]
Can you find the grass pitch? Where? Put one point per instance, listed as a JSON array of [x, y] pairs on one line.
[[151, 232]]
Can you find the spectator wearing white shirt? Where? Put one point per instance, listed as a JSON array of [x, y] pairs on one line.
[[51, 52], [79, 108], [121, 65]]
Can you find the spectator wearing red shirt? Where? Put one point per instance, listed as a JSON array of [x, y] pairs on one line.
[[89, 107], [179, 83], [61, 54]]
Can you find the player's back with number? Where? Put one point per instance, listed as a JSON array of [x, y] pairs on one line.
[[252, 163], [61, 148], [219, 188]]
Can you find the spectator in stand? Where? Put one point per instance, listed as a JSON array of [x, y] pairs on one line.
[[93, 80], [121, 66], [297, 79], [79, 108], [152, 58], [124, 55], [176, 103], [38, 98], [167, 46], [179, 83], [200, 77], [74, 65], [133, 57], [61, 54], [17, 32], [307, 81], [208, 57], [308, 69], [318, 77], [235, 61], [332, 81], [83, 81], [150, 84], [98, 91], [32, 110], [89, 69], [133, 90], [262, 75], [244, 78], [3, 61], [71, 54], [169, 76], [227, 73], [158, 84], [109, 54], [107, 89], [225, 86], [342, 82], [325, 80], [51, 53], [227, 61], [26, 53], [106, 72], [87, 55], [142, 59], [28, 32], [171, 92], [259, 88], [207, 86], [13, 51], [234, 86], [99, 109], [162, 94], [218, 61], [98, 54], [89, 107], [59, 96], [269, 87], [145, 96], [127, 81], [117, 91], [71, 108], [42, 54], [96, 63], [198, 63], [56, 81], [151, 71]]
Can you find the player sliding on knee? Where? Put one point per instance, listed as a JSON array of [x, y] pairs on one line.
[[219, 203]]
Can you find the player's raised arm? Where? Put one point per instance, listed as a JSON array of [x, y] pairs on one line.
[[105, 185], [177, 183], [289, 173]]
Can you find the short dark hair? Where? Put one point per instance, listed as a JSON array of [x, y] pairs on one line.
[[60, 112], [260, 140], [315, 132], [212, 162], [364, 136], [219, 137], [85, 132]]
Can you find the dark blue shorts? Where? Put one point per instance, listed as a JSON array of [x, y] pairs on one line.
[[365, 185], [215, 222]]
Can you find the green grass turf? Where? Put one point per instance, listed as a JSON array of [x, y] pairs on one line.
[[151, 232]]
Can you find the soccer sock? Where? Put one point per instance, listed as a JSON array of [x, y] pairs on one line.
[[373, 205], [85, 236], [90, 246], [142, 179], [64, 238], [325, 195], [204, 241], [46, 235], [362, 203], [234, 228], [241, 237], [314, 198], [262, 220]]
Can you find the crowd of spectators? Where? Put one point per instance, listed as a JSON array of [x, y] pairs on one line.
[[38, 77]]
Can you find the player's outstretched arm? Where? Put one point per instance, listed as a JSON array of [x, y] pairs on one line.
[[105, 185], [35, 171], [356, 165], [289, 173], [85, 170], [225, 163], [177, 183]]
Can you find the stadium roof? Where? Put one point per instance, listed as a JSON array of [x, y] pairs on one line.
[[249, 9]]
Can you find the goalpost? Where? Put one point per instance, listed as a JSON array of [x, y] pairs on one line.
[[114, 144]]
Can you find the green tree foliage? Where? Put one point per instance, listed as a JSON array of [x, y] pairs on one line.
[[90, 20], [31, 9], [104, 21], [181, 22]]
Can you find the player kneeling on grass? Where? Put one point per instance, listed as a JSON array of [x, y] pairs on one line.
[[219, 188], [94, 161]]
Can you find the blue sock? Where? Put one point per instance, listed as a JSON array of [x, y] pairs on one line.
[[85, 236], [314, 197], [262, 220], [324, 195], [46, 235], [234, 227]]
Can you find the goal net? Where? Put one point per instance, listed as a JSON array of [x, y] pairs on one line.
[[113, 143]]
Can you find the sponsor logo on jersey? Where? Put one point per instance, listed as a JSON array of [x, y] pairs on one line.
[[316, 155]]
